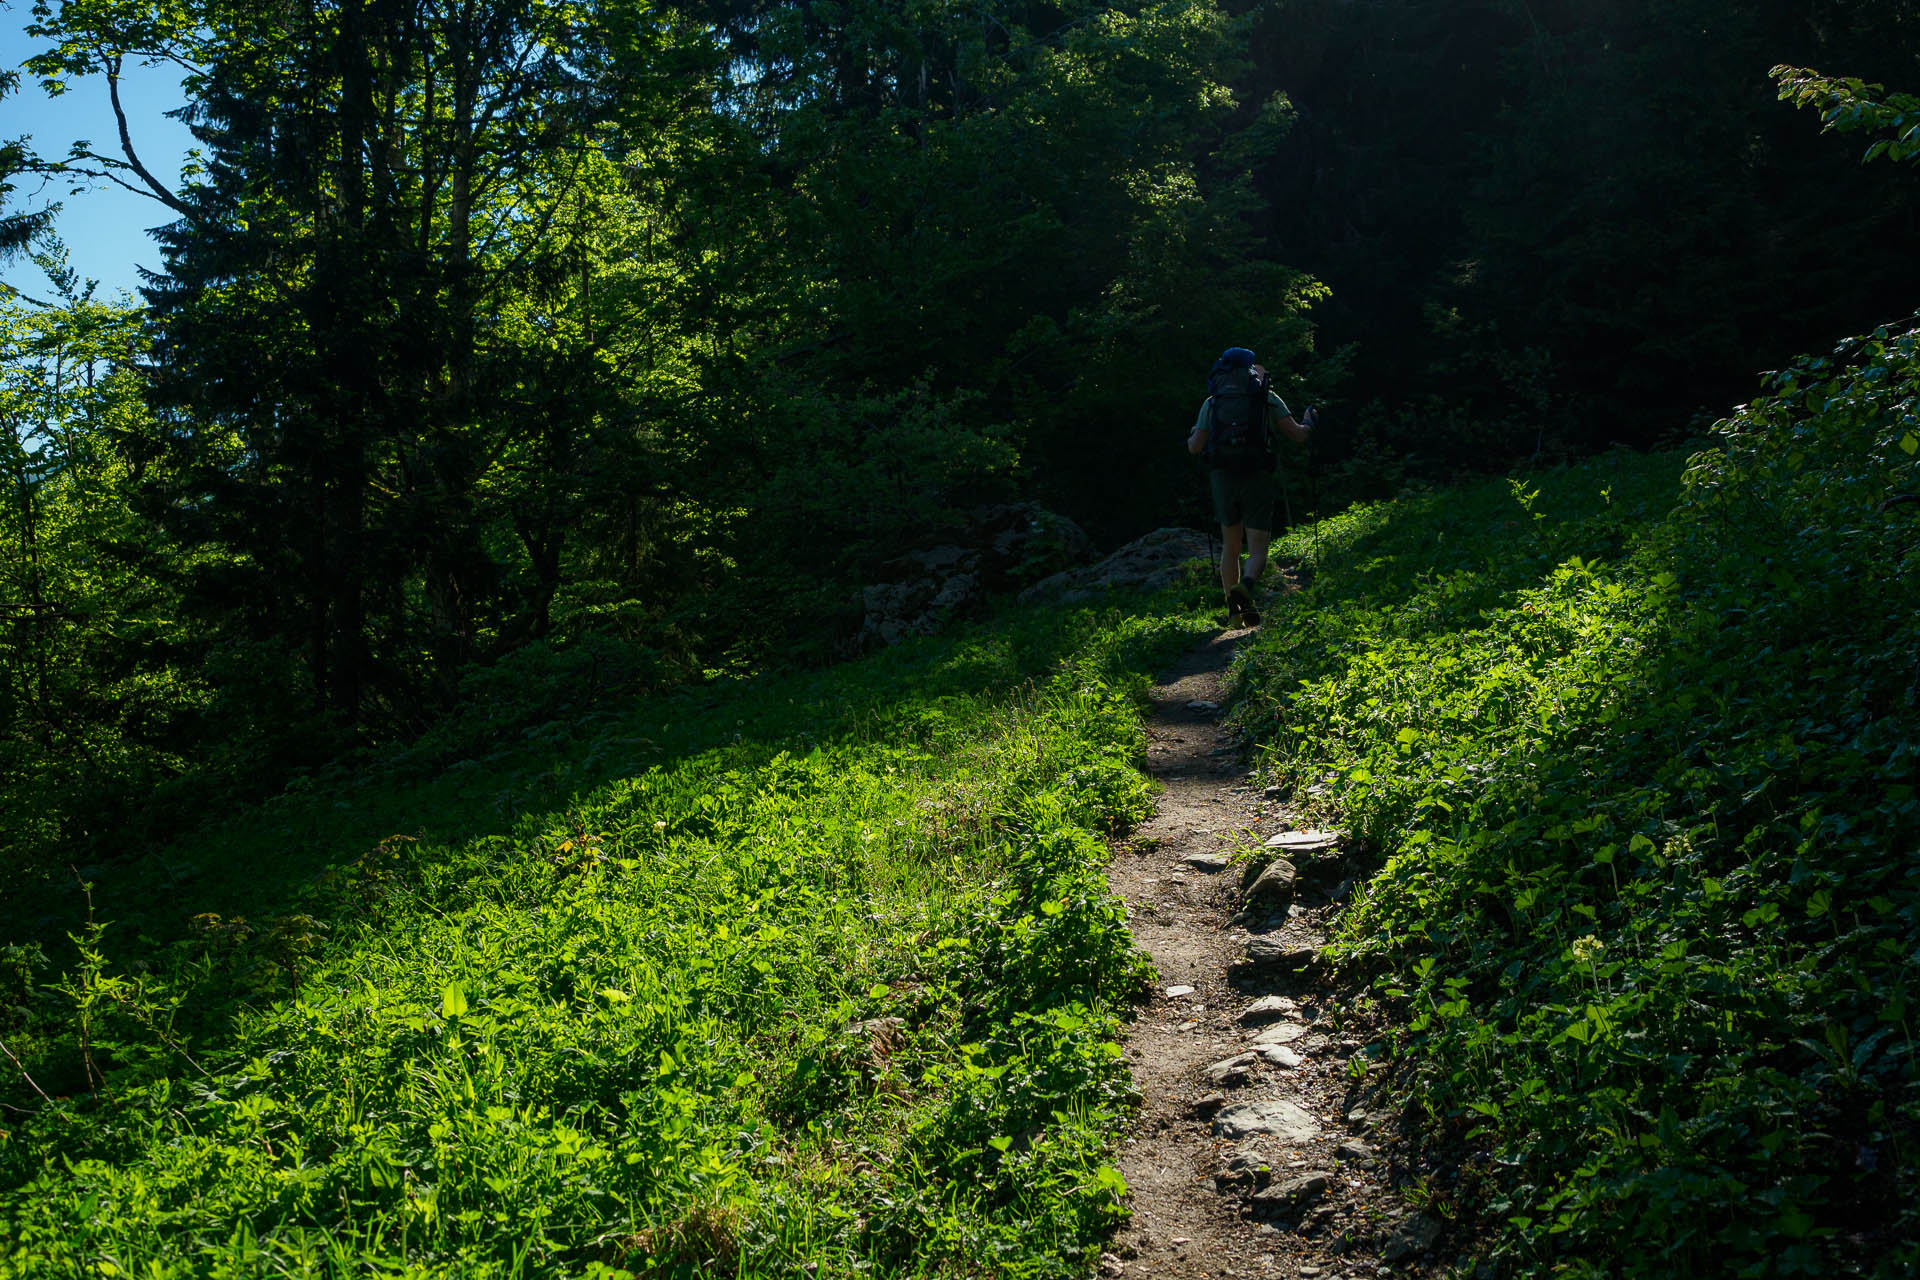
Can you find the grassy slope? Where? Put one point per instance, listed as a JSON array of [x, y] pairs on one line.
[[1638, 761], [811, 971]]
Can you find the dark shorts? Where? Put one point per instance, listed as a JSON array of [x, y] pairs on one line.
[[1243, 497]]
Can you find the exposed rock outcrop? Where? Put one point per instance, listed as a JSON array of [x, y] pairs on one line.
[[1156, 561], [995, 550]]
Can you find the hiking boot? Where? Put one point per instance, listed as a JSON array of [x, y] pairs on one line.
[[1240, 605]]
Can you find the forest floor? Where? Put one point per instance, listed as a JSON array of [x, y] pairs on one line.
[[1252, 1154]]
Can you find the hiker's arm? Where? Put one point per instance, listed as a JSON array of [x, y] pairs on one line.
[[1282, 419], [1197, 438]]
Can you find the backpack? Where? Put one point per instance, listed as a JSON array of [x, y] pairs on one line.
[[1239, 439]]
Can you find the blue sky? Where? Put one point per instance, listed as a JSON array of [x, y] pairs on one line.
[[105, 228]]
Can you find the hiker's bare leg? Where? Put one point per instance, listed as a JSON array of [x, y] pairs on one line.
[[1257, 540], [1230, 556]]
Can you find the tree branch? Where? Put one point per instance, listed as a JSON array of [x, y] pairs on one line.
[[23, 1074], [154, 185]]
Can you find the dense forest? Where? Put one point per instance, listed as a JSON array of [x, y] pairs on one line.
[[491, 330], [516, 364]]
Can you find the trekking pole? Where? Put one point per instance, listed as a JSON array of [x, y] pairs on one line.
[[1206, 518], [1312, 421]]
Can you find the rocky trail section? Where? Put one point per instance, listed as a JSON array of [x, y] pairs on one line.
[[1253, 1153]]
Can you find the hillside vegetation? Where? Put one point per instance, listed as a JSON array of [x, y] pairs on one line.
[[1641, 781], [821, 971], [810, 973]]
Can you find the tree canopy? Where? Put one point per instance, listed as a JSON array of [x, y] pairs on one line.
[[516, 323]]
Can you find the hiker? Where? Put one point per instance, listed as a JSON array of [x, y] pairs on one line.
[[1237, 439]]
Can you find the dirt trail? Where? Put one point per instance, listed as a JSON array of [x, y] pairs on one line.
[[1308, 1199]]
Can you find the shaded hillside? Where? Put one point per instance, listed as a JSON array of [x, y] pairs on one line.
[[1640, 787]]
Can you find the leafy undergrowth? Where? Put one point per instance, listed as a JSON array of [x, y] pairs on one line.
[[1636, 745], [829, 986]]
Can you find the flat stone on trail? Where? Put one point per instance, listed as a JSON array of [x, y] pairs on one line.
[[1202, 706], [1279, 1033], [1174, 993], [1303, 841], [1268, 1009], [1207, 861], [1284, 1120]]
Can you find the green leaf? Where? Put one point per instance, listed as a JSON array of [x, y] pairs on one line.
[[453, 1000], [1910, 444]]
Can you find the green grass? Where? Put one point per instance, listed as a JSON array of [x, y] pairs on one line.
[[810, 972], [1636, 758]]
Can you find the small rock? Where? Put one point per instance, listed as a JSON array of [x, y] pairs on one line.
[[1357, 1116], [1207, 861], [1188, 1025], [1268, 1009], [1174, 993], [1279, 1033], [1279, 1055], [1411, 1237], [1284, 1120], [1273, 889], [1235, 1070], [1111, 1266], [1207, 1104], [1355, 1150], [1244, 1168], [1317, 1219], [1272, 793], [1315, 1045], [1202, 706], [1281, 957], [1292, 1195]]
